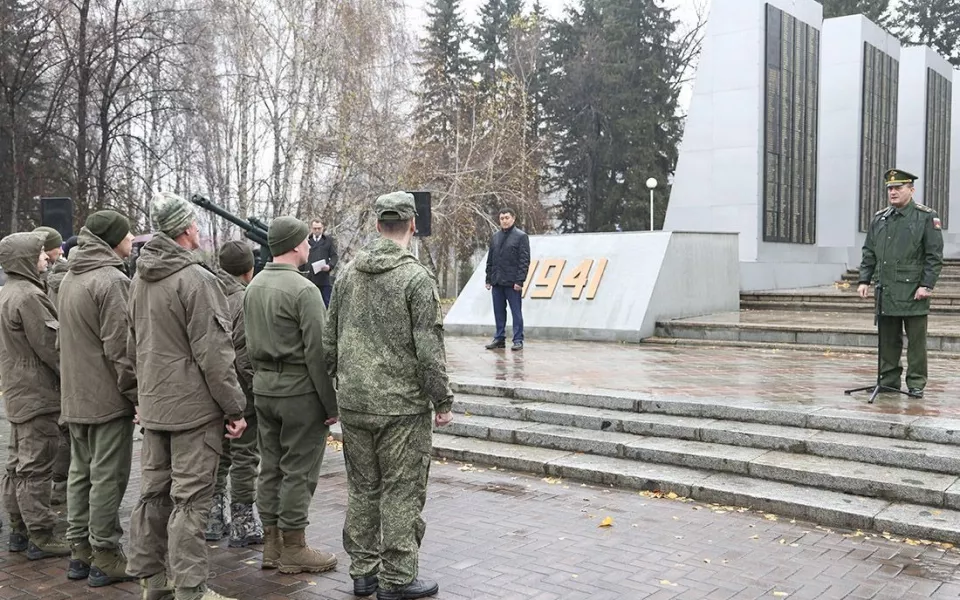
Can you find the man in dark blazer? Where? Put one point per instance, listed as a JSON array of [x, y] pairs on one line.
[[322, 248], [507, 263]]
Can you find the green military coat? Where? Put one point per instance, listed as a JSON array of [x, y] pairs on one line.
[[903, 251]]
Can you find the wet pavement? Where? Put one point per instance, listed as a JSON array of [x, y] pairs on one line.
[[785, 377], [498, 534]]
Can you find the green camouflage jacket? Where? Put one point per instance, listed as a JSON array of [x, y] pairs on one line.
[[903, 251], [385, 345]]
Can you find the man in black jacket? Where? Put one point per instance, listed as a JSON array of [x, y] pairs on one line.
[[322, 248], [507, 263]]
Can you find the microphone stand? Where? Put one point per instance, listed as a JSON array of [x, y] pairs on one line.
[[878, 387]]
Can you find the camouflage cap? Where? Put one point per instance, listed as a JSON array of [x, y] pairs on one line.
[[395, 206]]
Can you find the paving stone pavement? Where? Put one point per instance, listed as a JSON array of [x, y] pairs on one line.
[[497, 534]]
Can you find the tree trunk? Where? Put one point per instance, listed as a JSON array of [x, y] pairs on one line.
[[83, 94]]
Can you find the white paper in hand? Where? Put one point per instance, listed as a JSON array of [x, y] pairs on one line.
[[318, 265]]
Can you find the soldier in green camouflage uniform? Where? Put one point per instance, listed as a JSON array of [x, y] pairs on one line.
[[903, 255], [385, 343]]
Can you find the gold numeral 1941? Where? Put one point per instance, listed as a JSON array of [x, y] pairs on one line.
[[544, 276]]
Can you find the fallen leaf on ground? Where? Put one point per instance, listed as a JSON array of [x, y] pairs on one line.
[[606, 522], [667, 582]]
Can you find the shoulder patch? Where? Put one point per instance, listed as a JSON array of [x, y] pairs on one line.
[[923, 207]]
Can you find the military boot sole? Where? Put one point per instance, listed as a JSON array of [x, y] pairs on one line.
[[158, 595], [294, 569], [34, 552], [98, 578], [78, 570], [269, 564], [250, 540]]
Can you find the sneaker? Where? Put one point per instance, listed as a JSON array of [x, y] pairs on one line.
[[219, 521], [496, 344], [109, 566], [517, 346], [201, 592], [245, 526], [156, 587], [44, 544], [18, 534], [81, 554]]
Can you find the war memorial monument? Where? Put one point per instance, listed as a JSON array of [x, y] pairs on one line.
[[739, 323]]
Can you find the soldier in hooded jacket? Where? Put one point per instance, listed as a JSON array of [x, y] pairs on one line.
[[30, 385], [385, 347], [99, 396], [186, 388]]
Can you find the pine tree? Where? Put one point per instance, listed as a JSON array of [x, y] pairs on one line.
[[445, 72], [875, 10], [933, 23], [490, 38], [611, 99]]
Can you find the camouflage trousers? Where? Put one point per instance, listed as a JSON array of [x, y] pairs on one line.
[[178, 470], [99, 474], [241, 461], [31, 454], [292, 440], [388, 463]]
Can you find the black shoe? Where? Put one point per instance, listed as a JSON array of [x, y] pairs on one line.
[[916, 392], [365, 585], [496, 344], [78, 569], [517, 346], [418, 588], [18, 542]]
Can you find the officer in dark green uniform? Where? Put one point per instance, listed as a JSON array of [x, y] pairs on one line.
[[902, 256]]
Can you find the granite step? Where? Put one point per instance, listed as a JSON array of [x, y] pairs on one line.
[[824, 506], [833, 296], [818, 348], [752, 328], [892, 483], [502, 419], [608, 409], [832, 306]]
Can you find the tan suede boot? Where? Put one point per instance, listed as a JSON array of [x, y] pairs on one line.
[[109, 566], [272, 545], [156, 587], [297, 557]]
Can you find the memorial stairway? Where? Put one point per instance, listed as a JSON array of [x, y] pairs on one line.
[[825, 318]]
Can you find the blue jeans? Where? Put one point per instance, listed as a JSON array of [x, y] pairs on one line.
[[502, 295]]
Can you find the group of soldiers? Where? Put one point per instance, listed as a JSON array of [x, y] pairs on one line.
[[224, 372]]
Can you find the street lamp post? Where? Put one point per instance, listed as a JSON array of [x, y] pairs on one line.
[[651, 185]]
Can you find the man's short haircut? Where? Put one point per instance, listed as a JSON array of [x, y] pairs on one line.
[[507, 211], [316, 220], [394, 227]]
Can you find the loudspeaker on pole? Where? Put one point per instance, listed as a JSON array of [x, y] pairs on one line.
[[57, 213], [424, 219]]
